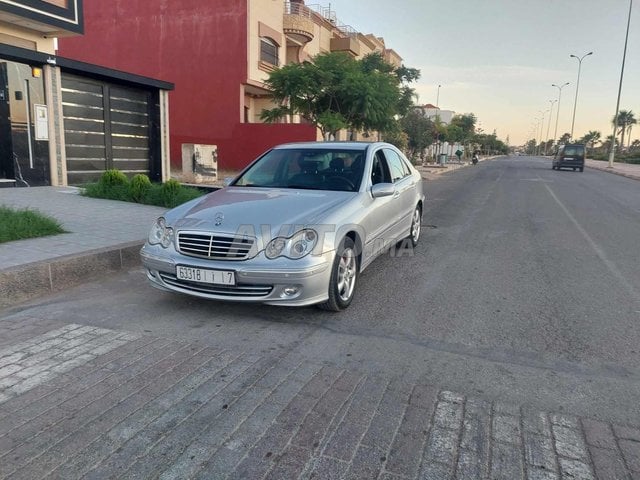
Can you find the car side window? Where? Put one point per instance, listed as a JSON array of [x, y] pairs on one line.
[[397, 167], [379, 170]]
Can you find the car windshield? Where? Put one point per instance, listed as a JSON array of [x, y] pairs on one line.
[[312, 169]]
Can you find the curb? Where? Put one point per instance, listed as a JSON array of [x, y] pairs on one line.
[[25, 282], [611, 170]]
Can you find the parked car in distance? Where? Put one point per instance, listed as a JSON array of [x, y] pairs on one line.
[[296, 227], [570, 155]]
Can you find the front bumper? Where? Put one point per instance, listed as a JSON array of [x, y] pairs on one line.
[[259, 280]]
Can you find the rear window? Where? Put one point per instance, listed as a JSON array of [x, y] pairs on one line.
[[576, 150]]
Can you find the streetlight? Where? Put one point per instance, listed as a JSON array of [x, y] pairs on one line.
[[612, 152], [437, 122], [575, 103], [543, 112], [548, 125], [555, 132]]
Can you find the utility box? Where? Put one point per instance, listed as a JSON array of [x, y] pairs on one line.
[[200, 162]]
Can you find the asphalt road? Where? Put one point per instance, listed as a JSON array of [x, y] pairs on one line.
[[525, 288]]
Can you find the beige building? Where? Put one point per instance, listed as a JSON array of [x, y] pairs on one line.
[[283, 32]]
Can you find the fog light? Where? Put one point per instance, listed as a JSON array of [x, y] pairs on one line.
[[290, 291]]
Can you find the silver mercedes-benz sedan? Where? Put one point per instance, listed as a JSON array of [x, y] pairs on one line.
[[296, 227]]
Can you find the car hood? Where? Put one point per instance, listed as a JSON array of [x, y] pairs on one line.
[[238, 209]]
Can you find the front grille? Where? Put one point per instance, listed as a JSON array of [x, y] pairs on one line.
[[240, 290], [218, 247]]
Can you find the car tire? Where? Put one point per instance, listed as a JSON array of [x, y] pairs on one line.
[[344, 274], [416, 224]]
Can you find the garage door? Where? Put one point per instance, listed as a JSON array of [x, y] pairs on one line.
[[106, 126]]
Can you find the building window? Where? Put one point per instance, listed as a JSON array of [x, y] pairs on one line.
[[269, 51]]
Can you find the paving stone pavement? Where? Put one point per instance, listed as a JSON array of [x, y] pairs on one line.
[[86, 402]]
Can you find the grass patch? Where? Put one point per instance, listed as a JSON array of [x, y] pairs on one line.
[[140, 190], [21, 224]]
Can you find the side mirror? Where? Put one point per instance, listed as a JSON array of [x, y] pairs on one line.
[[382, 190]]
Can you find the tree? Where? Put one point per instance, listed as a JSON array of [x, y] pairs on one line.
[[399, 138], [530, 147], [420, 132], [606, 145], [466, 122], [624, 121], [336, 91], [454, 134], [564, 139], [547, 146], [490, 144], [591, 138]]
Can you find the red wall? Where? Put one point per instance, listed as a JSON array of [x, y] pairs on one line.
[[252, 139], [200, 46]]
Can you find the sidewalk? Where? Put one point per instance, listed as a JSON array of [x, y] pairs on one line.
[[104, 236], [628, 170], [431, 171]]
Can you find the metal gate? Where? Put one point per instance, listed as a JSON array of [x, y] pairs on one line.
[[106, 126]]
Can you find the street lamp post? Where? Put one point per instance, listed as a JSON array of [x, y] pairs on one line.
[[612, 151], [437, 121], [575, 103], [543, 112], [559, 87], [548, 125]]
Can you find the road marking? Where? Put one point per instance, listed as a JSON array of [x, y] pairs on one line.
[[599, 251]]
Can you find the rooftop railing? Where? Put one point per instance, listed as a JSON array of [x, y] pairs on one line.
[[309, 11]]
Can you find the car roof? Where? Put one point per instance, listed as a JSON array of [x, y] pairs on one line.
[[330, 145]]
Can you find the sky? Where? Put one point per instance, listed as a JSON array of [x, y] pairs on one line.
[[498, 58]]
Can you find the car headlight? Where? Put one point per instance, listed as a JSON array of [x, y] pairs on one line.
[[294, 247], [160, 234]]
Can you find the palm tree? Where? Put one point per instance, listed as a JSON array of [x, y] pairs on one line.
[[606, 145], [624, 121], [592, 138], [629, 133]]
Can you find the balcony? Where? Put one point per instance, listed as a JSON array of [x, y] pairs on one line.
[[298, 23], [348, 45]]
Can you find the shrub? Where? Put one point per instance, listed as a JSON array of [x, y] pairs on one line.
[[141, 190], [169, 191], [113, 177], [139, 187]]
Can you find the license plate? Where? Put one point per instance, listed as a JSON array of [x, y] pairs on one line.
[[202, 275]]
